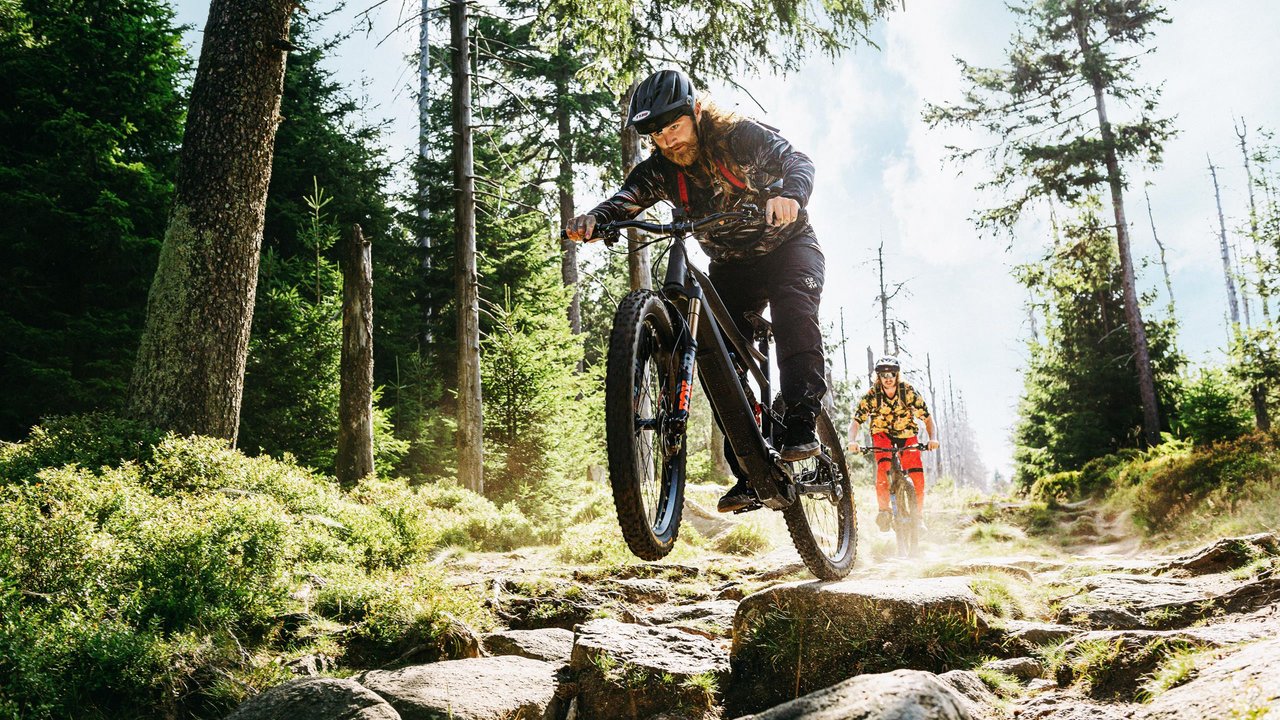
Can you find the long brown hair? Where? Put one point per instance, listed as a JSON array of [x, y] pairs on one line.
[[713, 129]]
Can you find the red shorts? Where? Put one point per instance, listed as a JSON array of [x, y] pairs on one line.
[[911, 463]]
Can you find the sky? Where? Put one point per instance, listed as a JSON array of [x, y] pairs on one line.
[[882, 176]]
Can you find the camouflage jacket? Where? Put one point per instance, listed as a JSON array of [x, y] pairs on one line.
[[761, 154], [895, 415]]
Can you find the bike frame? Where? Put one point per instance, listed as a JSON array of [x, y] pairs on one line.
[[710, 346]]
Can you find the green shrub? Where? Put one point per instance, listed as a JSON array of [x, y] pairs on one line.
[[159, 582], [744, 538], [91, 441], [1057, 487], [1212, 408]]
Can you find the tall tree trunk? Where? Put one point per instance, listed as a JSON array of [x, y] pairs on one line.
[[1233, 306], [355, 400], [1132, 309], [1164, 263], [564, 183], [470, 435], [884, 300], [189, 373], [424, 149], [1242, 132], [715, 446], [637, 257]]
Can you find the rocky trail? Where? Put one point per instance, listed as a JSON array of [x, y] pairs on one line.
[[1072, 622]]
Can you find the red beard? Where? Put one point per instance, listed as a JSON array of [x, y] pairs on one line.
[[685, 155]]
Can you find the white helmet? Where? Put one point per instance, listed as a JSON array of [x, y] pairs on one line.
[[888, 362]]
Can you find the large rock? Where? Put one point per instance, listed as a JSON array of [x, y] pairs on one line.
[[1061, 705], [631, 672], [709, 618], [548, 644], [327, 698], [1128, 602], [898, 695], [1027, 636], [1225, 554], [495, 688], [1245, 684], [795, 638], [1114, 662]]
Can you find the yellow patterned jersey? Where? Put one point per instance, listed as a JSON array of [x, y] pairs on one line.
[[893, 415]]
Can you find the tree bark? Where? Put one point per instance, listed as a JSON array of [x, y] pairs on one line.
[[470, 436], [1132, 310], [189, 373], [424, 151], [637, 257], [355, 403], [564, 183], [1225, 250]]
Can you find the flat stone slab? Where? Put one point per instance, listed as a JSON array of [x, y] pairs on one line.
[[329, 698], [547, 644], [493, 688], [796, 638], [897, 695], [1124, 602], [1245, 684], [1028, 634], [714, 617], [631, 672]]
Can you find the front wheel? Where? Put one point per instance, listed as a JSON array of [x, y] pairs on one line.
[[904, 519], [822, 521], [646, 450]]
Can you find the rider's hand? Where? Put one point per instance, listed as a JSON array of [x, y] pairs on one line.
[[581, 228], [854, 447], [933, 444], [781, 211]]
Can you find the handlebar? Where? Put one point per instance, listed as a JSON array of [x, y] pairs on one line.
[[924, 447], [609, 231]]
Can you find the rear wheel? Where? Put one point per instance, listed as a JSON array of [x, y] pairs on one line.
[[646, 452], [822, 521]]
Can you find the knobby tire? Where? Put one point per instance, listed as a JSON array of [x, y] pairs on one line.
[[648, 492], [904, 524], [825, 532]]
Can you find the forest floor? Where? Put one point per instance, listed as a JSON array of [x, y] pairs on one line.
[[1081, 619]]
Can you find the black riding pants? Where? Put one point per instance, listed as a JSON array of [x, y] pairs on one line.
[[789, 280]]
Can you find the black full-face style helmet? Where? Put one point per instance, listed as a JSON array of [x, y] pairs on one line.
[[660, 100]]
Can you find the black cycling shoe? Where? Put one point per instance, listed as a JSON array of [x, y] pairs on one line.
[[799, 441], [738, 497]]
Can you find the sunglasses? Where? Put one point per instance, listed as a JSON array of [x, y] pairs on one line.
[[888, 374]]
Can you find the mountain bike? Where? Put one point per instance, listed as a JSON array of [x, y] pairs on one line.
[[660, 340], [902, 499]]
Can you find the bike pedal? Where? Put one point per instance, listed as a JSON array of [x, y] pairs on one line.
[[755, 505]]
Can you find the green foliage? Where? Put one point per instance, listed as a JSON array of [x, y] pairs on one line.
[[818, 650], [531, 414], [158, 583], [744, 538], [1212, 408], [1040, 106], [91, 441], [1226, 488], [1080, 399], [91, 116]]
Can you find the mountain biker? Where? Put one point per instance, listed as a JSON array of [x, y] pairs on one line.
[[892, 406], [710, 160]]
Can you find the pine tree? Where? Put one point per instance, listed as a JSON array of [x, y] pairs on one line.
[[1047, 107], [91, 116], [1080, 399]]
